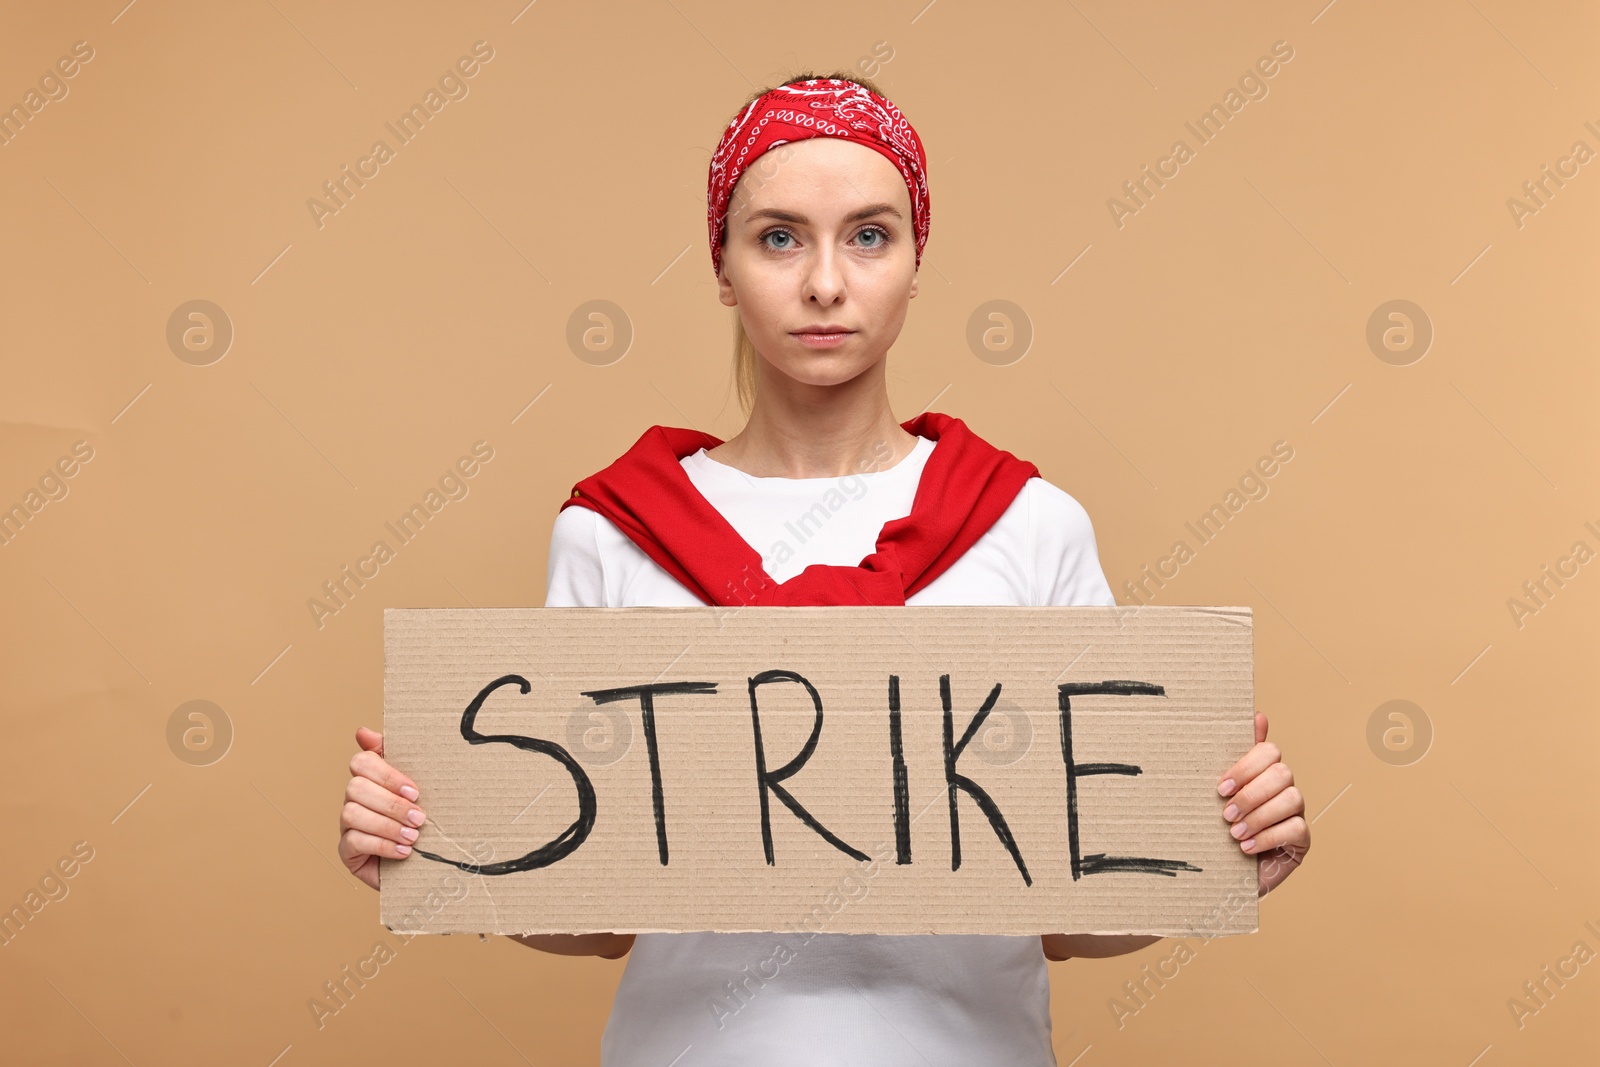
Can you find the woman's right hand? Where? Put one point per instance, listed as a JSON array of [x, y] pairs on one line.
[[380, 816]]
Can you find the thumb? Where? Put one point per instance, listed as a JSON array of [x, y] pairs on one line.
[[370, 740]]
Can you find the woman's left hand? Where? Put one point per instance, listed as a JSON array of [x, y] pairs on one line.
[[1263, 800], [1266, 810]]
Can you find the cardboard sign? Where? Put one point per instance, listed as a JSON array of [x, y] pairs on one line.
[[901, 770]]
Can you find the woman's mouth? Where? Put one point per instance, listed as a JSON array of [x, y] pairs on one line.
[[822, 337]]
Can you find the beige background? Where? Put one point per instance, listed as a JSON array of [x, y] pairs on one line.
[[431, 311]]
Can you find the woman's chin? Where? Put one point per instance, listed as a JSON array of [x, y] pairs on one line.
[[824, 371]]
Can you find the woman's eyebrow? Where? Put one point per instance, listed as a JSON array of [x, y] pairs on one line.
[[800, 220]]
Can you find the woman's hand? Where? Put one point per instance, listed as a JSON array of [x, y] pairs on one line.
[[1266, 810], [1268, 817], [380, 816], [377, 821]]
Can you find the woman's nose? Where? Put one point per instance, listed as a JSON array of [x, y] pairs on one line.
[[823, 278]]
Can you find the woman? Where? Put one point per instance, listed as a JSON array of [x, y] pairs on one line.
[[818, 248]]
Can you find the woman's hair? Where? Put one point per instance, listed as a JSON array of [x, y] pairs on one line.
[[744, 352]]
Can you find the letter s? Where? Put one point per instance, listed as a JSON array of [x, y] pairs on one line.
[[483, 450], [483, 50], [83, 50], [1283, 450], [83, 450], [1283, 50], [565, 843]]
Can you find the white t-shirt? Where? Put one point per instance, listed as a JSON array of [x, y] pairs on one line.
[[774, 1000]]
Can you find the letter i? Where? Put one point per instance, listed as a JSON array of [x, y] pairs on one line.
[[902, 798]]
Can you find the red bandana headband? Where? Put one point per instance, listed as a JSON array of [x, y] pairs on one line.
[[819, 107]]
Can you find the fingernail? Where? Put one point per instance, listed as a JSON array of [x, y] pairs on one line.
[[1227, 787], [408, 833], [416, 817], [1231, 812], [1247, 845], [404, 850], [409, 792], [1239, 830]]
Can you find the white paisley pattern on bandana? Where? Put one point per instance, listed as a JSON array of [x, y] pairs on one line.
[[818, 107]]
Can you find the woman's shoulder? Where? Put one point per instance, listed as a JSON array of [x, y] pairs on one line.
[[579, 527], [574, 529], [583, 535], [580, 541], [1062, 550], [1051, 511], [593, 563]]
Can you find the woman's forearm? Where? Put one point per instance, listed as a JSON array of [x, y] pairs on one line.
[[608, 946], [1094, 946]]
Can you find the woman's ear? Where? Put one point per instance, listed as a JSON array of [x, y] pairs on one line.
[[725, 291], [914, 278]]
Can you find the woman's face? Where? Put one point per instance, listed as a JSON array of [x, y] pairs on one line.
[[819, 234]]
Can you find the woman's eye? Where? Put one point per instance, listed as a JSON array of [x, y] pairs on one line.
[[777, 233], [878, 233]]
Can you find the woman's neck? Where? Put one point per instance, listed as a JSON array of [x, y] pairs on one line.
[[798, 430]]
